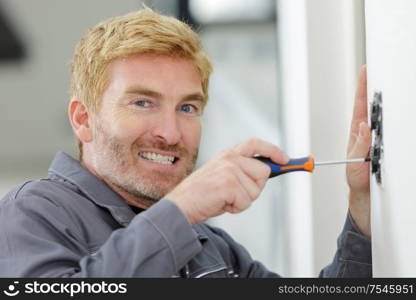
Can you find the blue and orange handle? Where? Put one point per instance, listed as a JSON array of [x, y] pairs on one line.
[[295, 164]]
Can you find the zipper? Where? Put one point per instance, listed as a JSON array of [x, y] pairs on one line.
[[184, 272], [210, 272]]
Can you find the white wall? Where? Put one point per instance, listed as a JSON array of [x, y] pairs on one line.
[[391, 48]]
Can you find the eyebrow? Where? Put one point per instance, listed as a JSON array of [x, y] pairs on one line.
[[151, 93], [143, 91], [195, 97]]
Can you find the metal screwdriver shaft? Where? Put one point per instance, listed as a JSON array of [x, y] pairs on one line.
[[337, 162]]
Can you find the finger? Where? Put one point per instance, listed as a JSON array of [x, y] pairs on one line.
[[362, 144], [256, 170], [239, 189], [257, 146], [241, 200], [360, 113], [232, 209], [249, 185], [357, 174], [360, 104]]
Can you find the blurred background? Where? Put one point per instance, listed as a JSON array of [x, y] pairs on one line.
[[284, 71]]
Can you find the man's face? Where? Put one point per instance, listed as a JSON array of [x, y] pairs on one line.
[[147, 131]]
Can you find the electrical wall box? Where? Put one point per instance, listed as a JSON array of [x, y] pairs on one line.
[[377, 148]]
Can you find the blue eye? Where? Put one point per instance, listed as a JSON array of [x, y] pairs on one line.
[[188, 108], [142, 103]]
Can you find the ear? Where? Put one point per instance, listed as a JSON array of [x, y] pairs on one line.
[[80, 119]]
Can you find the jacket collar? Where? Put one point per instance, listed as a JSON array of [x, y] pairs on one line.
[[69, 169]]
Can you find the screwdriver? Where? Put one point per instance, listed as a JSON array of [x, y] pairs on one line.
[[303, 164]]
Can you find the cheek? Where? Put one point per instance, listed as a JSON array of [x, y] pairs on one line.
[[192, 133], [129, 129]]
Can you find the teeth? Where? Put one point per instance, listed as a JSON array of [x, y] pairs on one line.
[[162, 159]]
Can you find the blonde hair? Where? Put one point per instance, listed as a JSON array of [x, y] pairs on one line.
[[143, 31]]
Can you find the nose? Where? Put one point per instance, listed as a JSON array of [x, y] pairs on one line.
[[167, 129]]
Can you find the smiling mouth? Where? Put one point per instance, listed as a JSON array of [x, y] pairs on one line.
[[158, 158]]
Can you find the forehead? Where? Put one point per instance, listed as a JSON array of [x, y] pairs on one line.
[[161, 73]]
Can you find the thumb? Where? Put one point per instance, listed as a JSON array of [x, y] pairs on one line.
[[362, 144]]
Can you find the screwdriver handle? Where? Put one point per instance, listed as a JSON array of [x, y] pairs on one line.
[[295, 164]]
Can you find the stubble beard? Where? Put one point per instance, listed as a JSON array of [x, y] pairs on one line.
[[112, 161]]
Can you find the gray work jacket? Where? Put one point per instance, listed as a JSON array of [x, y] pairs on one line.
[[72, 224]]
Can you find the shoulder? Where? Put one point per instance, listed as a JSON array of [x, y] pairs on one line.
[[50, 191], [44, 198], [42, 207], [41, 196]]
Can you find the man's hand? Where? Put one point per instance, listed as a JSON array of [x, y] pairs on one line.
[[228, 183], [358, 147]]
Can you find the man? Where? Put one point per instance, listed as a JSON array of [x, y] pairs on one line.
[[131, 206]]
